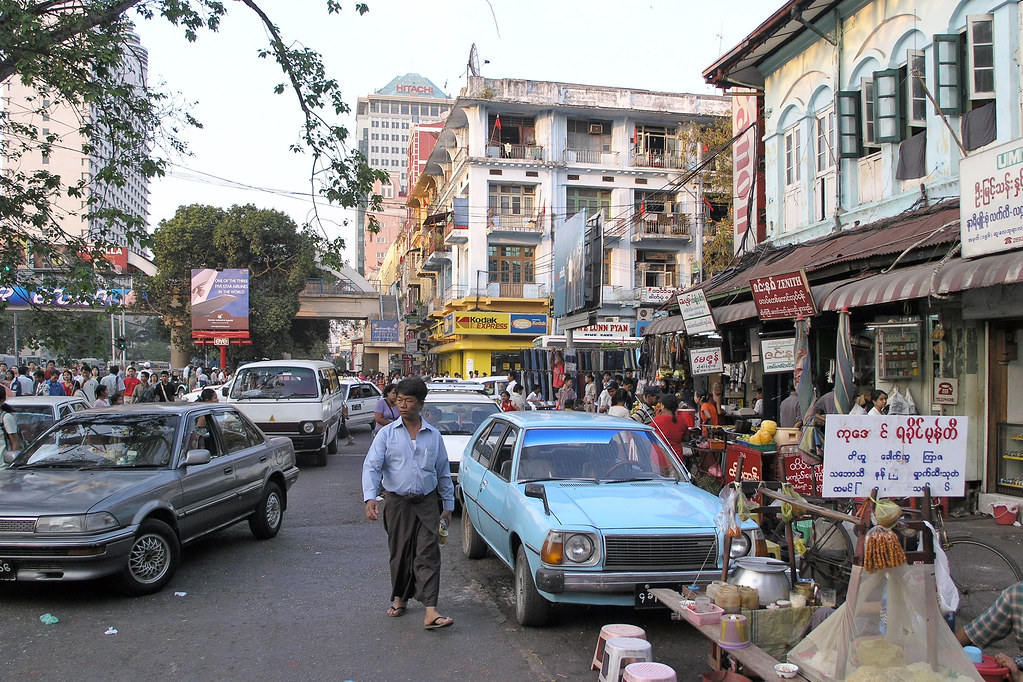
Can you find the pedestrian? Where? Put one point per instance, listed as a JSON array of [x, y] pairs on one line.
[[570, 406], [590, 393], [68, 382], [208, 395], [758, 404], [8, 380], [101, 397], [534, 397], [644, 412], [165, 391], [506, 403], [518, 396], [709, 415], [24, 382], [408, 465], [39, 385], [606, 399], [618, 407], [90, 383], [880, 402], [566, 392], [788, 411], [1003, 617], [130, 382], [9, 425], [386, 410], [673, 425], [513, 379], [117, 399]]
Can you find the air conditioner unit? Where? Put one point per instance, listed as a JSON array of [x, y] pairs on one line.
[[644, 314], [423, 336], [596, 129], [612, 319]]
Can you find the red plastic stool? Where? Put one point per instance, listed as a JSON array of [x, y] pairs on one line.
[[648, 671]]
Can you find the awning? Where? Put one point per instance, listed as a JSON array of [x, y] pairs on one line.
[[735, 312], [921, 281], [665, 325]]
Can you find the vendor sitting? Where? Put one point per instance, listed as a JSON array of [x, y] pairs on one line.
[[1003, 617]]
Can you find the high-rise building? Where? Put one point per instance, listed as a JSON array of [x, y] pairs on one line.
[[383, 126], [65, 158]]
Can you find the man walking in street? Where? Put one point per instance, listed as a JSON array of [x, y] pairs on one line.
[[645, 410], [165, 390], [408, 464], [113, 381]]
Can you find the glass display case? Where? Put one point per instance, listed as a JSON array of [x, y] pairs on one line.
[[1010, 459], [898, 351]]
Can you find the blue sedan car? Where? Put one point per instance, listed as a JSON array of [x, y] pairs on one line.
[[587, 509]]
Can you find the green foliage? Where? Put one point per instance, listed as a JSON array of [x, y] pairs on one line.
[[279, 258], [75, 56]]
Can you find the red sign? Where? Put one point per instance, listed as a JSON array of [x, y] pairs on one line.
[[782, 297], [116, 256], [752, 467], [804, 477]]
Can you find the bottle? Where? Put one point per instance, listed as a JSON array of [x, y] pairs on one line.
[[443, 532]]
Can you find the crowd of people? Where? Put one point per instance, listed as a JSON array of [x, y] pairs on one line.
[[105, 386]]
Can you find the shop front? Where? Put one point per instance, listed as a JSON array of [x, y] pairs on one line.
[[487, 342]]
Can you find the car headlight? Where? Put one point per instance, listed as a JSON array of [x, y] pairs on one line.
[[578, 548], [746, 543], [76, 523], [312, 427], [740, 546]]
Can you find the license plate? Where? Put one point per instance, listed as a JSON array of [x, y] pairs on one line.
[[7, 571], [645, 600]]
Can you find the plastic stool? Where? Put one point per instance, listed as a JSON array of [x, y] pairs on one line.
[[649, 672], [620, 652], [610, 632]]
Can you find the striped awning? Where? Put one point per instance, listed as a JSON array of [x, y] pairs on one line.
[[735, 312], [665, 325], [921, 281]]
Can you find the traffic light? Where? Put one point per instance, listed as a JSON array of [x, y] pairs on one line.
[[121, 343]]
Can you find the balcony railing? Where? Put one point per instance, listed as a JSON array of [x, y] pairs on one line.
[[531, 152], [592, 156], [514, 222], [658, 159], [662, 225]]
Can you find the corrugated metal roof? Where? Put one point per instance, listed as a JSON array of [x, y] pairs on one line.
[[913, 232]]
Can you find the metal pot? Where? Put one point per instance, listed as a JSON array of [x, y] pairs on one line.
[[769, 577]]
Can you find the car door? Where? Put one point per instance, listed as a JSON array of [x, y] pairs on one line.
[[473, 467], [208, 494], [245, 448], [493, 493]]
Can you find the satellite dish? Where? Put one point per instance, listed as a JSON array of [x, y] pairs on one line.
[[474, 61]]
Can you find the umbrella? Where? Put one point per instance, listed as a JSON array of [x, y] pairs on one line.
[[804, 382], [843, 365]]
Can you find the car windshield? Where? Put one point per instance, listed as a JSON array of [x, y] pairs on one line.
[[452, 417], [107, 441], [274, 382], [32, 420], [596, 454]]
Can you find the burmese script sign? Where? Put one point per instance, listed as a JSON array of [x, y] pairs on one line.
[[991, 200], [899, 454], [781, 297], [695, 312], [779, 355], [705, 360]]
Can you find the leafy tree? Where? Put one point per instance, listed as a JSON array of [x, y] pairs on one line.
[[75, 54], [64, 335], [279, 257]]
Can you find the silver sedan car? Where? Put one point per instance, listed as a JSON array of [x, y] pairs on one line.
[[118, 491]]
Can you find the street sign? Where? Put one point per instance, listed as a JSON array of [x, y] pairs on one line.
[[221, 341]]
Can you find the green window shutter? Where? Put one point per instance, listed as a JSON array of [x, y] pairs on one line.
[[948, 73], [848, 124], [887, 106]]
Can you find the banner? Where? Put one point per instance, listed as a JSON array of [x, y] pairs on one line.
[[779, 355], [898, 454], [384, 331], [781, 297], [220, 300], [22, 297]]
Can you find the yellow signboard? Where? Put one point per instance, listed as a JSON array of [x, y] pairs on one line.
[[480, 323]]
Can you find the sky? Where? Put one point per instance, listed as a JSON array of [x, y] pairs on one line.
[[241, 154]]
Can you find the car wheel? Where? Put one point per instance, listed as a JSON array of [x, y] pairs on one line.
[[152, 559], [473, 546], [332, 444], [266, 521], [531, 609], [321, 457]]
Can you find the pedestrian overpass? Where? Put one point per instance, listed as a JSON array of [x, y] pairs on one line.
[[351, 296]]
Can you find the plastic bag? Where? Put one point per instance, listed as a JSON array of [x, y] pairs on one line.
[[897, 403], [948, 593], [727, 520], [910, 403], [853, 633], [790, 511], [886, 512], [882, 550]]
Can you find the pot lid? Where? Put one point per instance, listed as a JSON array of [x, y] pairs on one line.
[[761, 564]]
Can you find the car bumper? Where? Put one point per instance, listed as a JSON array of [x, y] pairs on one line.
[[303, 442], [68, 558], [558, 581]]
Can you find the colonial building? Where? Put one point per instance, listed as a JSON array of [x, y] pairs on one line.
[[514, 160]]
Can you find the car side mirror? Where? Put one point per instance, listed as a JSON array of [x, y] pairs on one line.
[[223, 391], [538, 491], [197, 456], [9, 456]]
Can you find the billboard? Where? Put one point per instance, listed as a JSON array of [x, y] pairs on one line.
[[991, 203], [578, 262], [220, 300], [780, 297], [384, 331], [524, 324]]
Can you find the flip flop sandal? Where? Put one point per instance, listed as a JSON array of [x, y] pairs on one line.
[[437, 624], [396, 611]]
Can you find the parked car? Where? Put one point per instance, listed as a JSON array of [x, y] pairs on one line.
[[35, 413], [300, 399], [457, 412], [361, 398], [193, 396], [587, 509], [118, 491]]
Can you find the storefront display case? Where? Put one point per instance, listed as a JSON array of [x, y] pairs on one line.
[[1010, 459], [898, 350]]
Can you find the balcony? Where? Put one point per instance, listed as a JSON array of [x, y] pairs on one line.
[[455, 235], [435, 307], [525, 229], [593, 157], [661, 229], [527, 152], [658, 159], [530, 290]]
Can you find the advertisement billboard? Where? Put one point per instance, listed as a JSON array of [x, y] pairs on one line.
[[569, 260], [991, 201], [220, 300], [384, 331], [781, 297], [500, 324]]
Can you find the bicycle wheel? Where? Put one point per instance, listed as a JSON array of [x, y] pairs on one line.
[[980, 571], [828, 557]]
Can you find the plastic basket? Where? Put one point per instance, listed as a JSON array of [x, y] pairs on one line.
[[709, 618]]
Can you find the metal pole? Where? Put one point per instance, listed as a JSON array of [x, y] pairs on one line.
[[17, 355], [124, 353], [113, 344]]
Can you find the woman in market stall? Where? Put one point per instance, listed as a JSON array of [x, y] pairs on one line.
[[673, 425], [709, 414]]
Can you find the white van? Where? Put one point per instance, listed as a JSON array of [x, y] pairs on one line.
[[300, 399]]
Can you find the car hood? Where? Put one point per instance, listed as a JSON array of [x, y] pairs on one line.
[[634, 505], [44, 491], [455, 445]]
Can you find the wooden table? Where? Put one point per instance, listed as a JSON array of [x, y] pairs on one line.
[[753, 658]]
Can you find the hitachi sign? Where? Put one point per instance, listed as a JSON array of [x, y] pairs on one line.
[[415, 89]]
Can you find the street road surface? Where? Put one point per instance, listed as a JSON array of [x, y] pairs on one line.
[[310, 604]]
